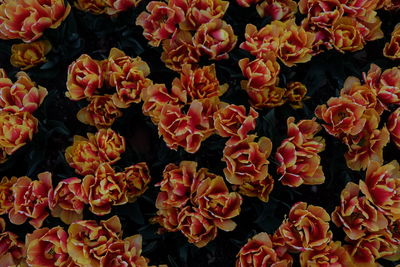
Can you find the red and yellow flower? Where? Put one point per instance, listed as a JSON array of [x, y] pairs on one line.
[[199, 12], [259, 251], [101, 112], [110, 145], [12, 251], [22, 96], [346, 35], [333, 254], [356, 214], [247, 3], [31, 200], [198, 83], [179, 50], [125, 252], [393, 125], [295, 94], [16, 129], [306, 228], [47, 247], [137, 180], [26, 56], [6, 194], [28, 19], [298, 154], [267, 97], [160, 21], [127, 75], [105, 189], [68, 200], [232, 121], [85, 76], [88, 241], [246, 160], [260, 73], [215, 39], [277, 9], [260, 189], [198, 229], [321, 13], [382, 187], [392, 49]]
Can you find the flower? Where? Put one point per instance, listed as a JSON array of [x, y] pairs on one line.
[[277, 9], [297, 155], [246, 160], [389, 86], [101, 112], [26, 56], [83, 155], [259, 251], [125, 253], [198, 229], [259, 188], [356, 214], [332, 254], [6, 194], [346, 35], [167, 218], [342, 115], [68, 200], [137, 180], [22, 96], [295, 44], [28, 19], [367, 145], [179, 50], [47, 247], [261, 43], [85, 76], [116, 6], [88, 241], [186, 130], [198, 83], [31, 200], [232, 121], [104, 189], [160, 22], [128, 75], [260, 72], [371, 247], [215, 202], [93, 6], [267, 97], [321, 13], [12, 251], [154, 98], [393, 125], [306, 228], [382, 187], [295, 93], [110, 145], [177, 185], [215, 39], [16, 129], [247, 3], [392, 49], [199, 12]]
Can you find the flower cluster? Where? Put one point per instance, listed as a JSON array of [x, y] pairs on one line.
[[306, 230], [87, 76], [369, 214], [85, 243], [18, 101], [109, 7], [286, 41], [298, 154], [101, 187], [187, 30], [195, 202], [354, 116], [28, 19]]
